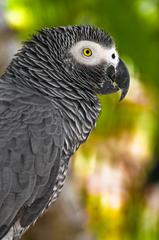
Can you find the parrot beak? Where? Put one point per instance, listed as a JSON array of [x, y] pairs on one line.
[[122, 78], [118, 79]]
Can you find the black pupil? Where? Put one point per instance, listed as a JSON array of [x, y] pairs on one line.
[[87, 51], [113, 55]]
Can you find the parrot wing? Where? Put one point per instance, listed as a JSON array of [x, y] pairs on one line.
[[31, 142]]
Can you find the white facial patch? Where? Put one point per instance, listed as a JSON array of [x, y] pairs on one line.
[[99, 53]]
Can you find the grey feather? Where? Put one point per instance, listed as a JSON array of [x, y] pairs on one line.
[[48, 107]]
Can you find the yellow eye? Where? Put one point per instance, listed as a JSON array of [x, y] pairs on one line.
[[87, 52]]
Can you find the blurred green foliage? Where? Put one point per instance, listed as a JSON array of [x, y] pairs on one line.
[[135, 27]]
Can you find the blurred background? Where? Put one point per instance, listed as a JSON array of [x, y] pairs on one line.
[[112, 188]]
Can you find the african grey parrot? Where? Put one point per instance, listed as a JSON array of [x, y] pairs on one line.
[[48, 107]]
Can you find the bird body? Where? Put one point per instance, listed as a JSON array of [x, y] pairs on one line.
[[48, 107]]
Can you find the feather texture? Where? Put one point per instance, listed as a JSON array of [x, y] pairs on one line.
[[48, 107], [32, 136]]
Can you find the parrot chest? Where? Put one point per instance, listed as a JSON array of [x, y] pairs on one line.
[[78, 123], [59, 182]]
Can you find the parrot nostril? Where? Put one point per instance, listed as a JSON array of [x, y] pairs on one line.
[[113, 55]]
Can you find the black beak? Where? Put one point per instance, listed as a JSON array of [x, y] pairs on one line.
[[118, 79], [122, 78]]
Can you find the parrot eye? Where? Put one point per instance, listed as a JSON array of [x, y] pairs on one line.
[[87, 52], [92, 53]]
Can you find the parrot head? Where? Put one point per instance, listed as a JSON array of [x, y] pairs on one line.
[[73, 59], [93, 61]]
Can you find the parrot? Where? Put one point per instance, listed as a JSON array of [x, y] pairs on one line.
[[49, 104]]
